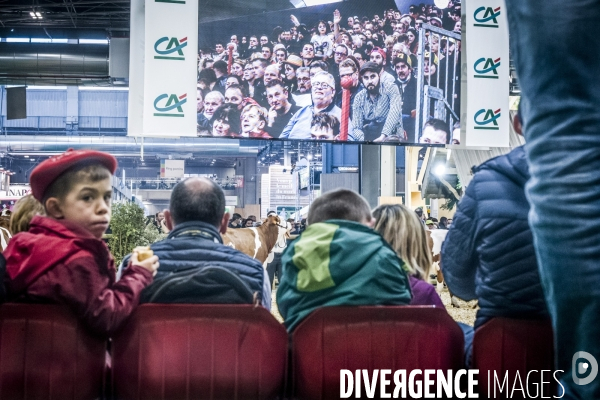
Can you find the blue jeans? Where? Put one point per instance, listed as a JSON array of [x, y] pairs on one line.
[[554, 44], [468, 333]]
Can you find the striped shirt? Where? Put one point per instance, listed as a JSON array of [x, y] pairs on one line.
[[386, 106]]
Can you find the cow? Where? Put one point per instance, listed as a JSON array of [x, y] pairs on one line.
[[281, 243], [255, 242], [435, 238]]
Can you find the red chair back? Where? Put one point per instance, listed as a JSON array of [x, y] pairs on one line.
[[45, 353], [335, 338], [194, 351], [505, 346]]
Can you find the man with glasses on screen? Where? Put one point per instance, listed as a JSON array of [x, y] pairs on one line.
[[340, 53], [302, 96], [377, 111], [349, 68], [323, 90]]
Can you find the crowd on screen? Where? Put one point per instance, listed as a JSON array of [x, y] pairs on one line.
[[287, 84]]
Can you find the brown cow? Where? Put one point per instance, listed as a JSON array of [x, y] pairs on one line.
[[255, 242], [435, 239]]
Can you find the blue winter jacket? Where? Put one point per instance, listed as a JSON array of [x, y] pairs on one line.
[[488, 253], [197, 244]]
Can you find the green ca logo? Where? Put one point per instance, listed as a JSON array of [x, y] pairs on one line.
[[172, 102], [486, 17], [173, 49], [489, 121], [486, 68]]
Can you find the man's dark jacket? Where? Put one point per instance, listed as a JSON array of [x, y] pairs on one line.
[[488, 253], [198, 245]]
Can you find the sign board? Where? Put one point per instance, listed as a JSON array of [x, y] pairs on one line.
[[169, 66], [16, 191], [172, 168], [280, 190], [488, 74], [231, 201]]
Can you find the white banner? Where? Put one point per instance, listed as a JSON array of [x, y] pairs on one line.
[[16, 191], [172, 168], [169, 68], [486, 33]]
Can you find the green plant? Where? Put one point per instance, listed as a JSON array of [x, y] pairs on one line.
[[451, 200], [151, 234], [128, 227]]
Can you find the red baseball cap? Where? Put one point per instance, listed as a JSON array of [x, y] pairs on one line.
[[49, 170], [380, 51]]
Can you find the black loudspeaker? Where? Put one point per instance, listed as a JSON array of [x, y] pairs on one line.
[[16, 102]]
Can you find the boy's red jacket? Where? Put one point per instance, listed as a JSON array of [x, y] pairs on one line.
[[58, 261]]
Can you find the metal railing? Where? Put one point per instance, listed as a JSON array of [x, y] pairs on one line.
[[438, 95], [81, 126]]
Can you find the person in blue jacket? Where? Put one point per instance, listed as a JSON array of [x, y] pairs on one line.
[[197, 217], [488, 253]]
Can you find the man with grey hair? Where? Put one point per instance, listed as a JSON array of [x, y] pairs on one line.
[[199, 267], [212, 101], [342, 261], [302, 96], [323, 91]]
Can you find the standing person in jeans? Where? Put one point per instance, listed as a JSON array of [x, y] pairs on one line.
[[562, 128]]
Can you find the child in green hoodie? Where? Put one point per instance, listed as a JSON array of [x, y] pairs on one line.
[[339, 260]]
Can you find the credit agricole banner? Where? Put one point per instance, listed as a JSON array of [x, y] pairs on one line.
[[488, 74], [170, 43]]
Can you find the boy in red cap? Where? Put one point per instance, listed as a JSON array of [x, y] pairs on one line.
[[62, 259]]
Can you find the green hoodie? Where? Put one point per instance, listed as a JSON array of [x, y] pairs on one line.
[[339, 262]]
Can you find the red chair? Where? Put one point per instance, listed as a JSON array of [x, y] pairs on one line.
[[335, 338], [505, 346], [193, 351], [45, 353]]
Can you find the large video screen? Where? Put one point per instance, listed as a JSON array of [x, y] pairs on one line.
[[354, 71]]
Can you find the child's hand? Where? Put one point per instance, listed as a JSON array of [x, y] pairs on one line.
[[151, 263]]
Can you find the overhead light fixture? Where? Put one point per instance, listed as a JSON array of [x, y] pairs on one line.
[[439, 170], [308, 3], [38, 14], [441, 3]]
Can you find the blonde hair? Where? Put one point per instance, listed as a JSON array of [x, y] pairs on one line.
[[262, 112], [401, 228], [390, 40], [24, 210]]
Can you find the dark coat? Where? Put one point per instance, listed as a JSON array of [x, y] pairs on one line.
[[488, 253], [198, 245]]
